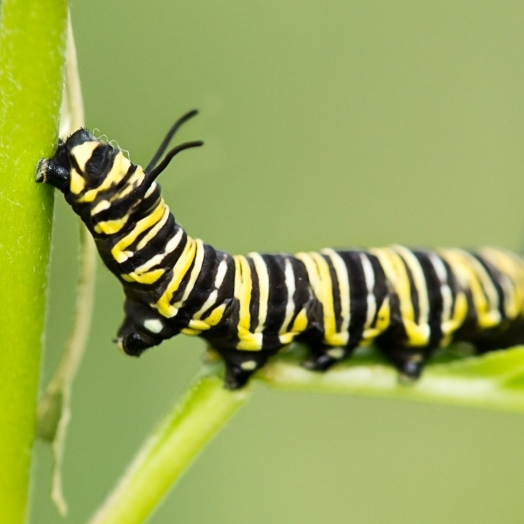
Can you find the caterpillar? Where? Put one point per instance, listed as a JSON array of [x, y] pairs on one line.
[[409, 302]]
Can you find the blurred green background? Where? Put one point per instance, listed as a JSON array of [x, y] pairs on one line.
[[333, 123]]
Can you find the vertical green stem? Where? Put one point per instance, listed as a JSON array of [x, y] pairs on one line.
[[171, 447], [54, 411], [32, 39]]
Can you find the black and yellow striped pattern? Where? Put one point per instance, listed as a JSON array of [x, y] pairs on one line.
[[409, 302]]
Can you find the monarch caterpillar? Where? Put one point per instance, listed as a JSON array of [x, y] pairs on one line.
[[409, 302]]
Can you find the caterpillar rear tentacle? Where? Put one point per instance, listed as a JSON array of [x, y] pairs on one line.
[[409, 302]]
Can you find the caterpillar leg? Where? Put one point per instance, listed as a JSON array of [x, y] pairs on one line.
[[240, 365], [323, 357], [409, 361], [236, 377], [499, 338]]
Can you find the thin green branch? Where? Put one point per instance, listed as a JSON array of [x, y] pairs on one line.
[[169, 450], [54, 408], [54, 411], [72, 111], [32, 41], [493, 381]]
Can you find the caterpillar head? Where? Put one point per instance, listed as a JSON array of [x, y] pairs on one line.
[[83, 168], [101, 184]]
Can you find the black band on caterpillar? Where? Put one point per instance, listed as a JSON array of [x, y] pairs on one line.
[[409, 302]]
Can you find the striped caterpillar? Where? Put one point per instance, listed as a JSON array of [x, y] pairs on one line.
[[408, 302]]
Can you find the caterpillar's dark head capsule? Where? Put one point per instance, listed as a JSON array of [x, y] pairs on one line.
[[79, 166], [102, 186], [55, 170], [88, 171], [49, 172]]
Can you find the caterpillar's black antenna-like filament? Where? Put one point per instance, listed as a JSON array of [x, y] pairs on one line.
[[170, 134], [155, 172]]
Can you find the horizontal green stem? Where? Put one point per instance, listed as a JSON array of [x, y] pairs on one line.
[[493, 381], [204, 409]]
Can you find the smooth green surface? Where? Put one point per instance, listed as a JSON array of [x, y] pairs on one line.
[[326, 123], [492, 381], [31, 59], [201, 412]]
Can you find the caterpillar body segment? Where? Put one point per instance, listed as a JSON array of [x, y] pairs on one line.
[[409, 302]]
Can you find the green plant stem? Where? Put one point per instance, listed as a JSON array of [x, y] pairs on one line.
[[492, 381], [54, 412], [204, 409], [54, 408], [32, 39]]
